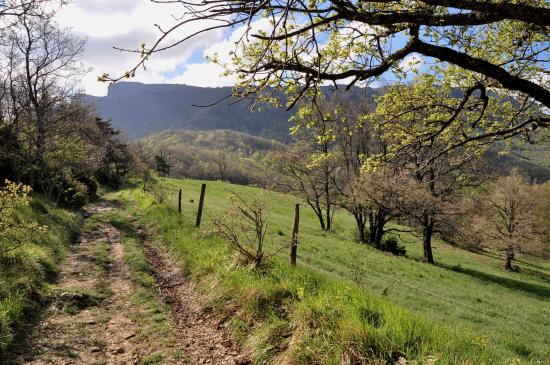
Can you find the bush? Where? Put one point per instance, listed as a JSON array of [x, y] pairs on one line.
[[159, 191], [26, 271], [74, 194], [391, 244], [14, 230], [244, 227]]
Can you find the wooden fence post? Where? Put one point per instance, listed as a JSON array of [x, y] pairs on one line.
[[294, 239], [179, 202], [201, 204], [145, 178]]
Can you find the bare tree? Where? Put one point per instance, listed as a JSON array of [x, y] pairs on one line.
[[42, 64], [12, 10], [311, 181], [244, 227], [511, 217], [221, 163], [386, 193]]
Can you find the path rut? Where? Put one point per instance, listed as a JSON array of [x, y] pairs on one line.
[[91, 320], [203, 337]]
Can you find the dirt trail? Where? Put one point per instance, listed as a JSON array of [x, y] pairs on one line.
[[92, 320], [202, 338]]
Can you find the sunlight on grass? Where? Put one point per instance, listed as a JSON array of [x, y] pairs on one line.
[[354, 297]]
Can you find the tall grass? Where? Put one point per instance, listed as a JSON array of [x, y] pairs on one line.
[[322, 312], [26, 272]]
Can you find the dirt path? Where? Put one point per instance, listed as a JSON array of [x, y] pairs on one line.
[[203, 338], [95, 318]]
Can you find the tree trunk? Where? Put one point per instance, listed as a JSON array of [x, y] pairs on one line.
[[509, 258], [427, 234], [379, 232], [319, 214], [361, 225], [327, 201], [372, 228]]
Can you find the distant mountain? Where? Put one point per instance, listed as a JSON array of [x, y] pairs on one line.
[[531, 159], [140, 110]]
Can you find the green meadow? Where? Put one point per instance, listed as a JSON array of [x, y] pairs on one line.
[[346, 302]]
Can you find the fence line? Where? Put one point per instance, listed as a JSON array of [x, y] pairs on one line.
[[366, 269]]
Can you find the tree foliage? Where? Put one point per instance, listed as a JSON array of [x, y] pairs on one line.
[[49, 138], [296, 46], [13, 231]]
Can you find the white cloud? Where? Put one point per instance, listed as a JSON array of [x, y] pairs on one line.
[[204, 74], [127, 24], [210, 74]]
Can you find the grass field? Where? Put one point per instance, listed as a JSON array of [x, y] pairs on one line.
[[349, 302]]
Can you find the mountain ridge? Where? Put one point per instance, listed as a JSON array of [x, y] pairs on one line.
[[140, 110]]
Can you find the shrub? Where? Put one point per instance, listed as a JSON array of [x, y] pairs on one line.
[[74, 194], [244, 228], [391, 244], [159, 191], [14, 232]]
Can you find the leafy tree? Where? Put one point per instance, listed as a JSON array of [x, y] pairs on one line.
[[163, 166], [117, 158], [410, 118], [296, 46]]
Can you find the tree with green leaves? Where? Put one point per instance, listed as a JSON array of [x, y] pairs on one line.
[[499, 49], [410, 117], [162, 164]]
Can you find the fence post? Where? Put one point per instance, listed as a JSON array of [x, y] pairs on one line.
[[145, 178], [179, 202], [201, 204], [294, 239]]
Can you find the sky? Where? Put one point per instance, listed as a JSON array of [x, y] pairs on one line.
[[129, 23]]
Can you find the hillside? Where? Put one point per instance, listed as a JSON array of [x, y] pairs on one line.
[[140, 110], [346, 300], [201, 154]]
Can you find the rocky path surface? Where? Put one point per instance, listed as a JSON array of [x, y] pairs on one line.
[[93, 318], [203, 340]]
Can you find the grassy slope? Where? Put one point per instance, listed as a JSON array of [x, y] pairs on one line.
[[25, 273], [464, 309]]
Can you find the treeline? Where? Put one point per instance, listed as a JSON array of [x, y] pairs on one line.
[[222, 155], [49, 139]]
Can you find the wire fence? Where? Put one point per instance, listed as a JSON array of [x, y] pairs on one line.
[[365, 270]]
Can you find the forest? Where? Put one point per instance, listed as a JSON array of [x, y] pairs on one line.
[[404, 217]]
